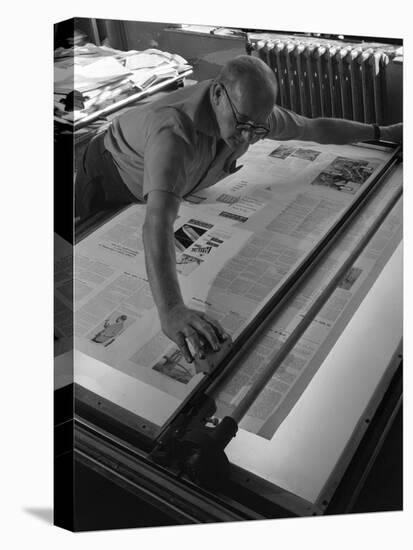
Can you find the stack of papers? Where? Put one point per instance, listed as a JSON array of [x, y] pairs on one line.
[[86, 77], [99, 76]]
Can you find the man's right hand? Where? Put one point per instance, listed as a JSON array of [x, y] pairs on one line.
[[182, 325]]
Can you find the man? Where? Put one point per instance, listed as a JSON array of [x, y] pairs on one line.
[[189, 140]]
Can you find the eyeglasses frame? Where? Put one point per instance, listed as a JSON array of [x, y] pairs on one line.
[[245, 126]]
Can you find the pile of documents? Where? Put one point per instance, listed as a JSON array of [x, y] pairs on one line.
[[88, 78]]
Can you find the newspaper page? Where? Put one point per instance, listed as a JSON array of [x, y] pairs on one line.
[[116, 318], [236, 242], [297, 370]]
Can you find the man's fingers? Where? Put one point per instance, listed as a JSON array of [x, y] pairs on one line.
[[198, 330], [207, 331], [195, 339], [197, 344], [183, 346], [222, 335]]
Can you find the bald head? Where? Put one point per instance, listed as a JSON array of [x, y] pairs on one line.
[[243, 96], [249, 77]]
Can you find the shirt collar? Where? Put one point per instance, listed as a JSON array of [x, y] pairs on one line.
[[203, 114]]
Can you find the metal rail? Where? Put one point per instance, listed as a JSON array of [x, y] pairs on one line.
[[129, 468]]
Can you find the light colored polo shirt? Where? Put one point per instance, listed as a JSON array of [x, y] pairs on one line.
[[173, 144]]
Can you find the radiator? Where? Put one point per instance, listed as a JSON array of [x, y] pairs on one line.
[[332, 78]]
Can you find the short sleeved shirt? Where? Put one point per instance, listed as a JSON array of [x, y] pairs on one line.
[[174, 145]]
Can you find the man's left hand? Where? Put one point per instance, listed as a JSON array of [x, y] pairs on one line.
[[394, 132]]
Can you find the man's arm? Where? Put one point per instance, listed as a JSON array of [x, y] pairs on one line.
[[286, 125], [178, 322], [341, 131]]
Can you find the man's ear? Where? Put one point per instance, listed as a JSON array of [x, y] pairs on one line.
[[217, 93]]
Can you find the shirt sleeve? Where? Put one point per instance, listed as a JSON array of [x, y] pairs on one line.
[[285, 124], [168, 153]]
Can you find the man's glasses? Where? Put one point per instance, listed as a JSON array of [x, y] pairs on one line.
[[259, 131]]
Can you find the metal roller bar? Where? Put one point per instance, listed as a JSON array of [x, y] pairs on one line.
[[129, 467]]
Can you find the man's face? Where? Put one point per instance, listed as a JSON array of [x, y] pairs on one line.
[[242, 115]]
